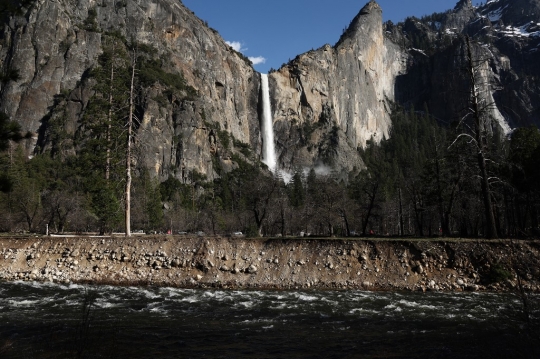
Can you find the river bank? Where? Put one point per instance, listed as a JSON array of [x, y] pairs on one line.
[[278, 263]]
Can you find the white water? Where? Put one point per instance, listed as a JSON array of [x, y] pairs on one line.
[[41, 320], [267, 127]]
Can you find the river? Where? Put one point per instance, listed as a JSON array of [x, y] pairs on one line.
[[45, 320]]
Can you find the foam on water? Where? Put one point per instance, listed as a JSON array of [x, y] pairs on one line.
[[100, 303], [36, 285], [158, 310], [247, 304], [172, 292], [148, 294], [307, 298], [211, 319], [363, 311], [220, 296], [412, 304], [69, 303], [38, 297], [191, 299], [278, 306], [24, 303]]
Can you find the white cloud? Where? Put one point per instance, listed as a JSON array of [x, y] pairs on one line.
[[257, 60], [237, 45]]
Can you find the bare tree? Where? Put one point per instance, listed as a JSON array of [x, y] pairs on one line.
[[260, 193], [478, 111], [27, 201], [61, 206], [128, 146], [480, 115]]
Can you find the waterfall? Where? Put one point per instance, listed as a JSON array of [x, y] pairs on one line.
[[267, 127]]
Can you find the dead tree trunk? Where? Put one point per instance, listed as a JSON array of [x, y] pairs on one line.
[[128, 147], [480, 130]]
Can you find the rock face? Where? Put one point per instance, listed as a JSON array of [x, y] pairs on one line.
[[331, 101], [506, 38], [326, 103], [341, 90], [56, 44]]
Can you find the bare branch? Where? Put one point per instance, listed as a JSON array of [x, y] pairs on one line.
[[471, 139]]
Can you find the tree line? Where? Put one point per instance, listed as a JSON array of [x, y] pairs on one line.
[[465, 179], [84, 181], [420, 182]]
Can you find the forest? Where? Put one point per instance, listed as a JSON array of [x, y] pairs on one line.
[[418, 183], [462, 179]]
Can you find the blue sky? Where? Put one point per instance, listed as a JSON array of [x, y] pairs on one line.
[[276, 31]]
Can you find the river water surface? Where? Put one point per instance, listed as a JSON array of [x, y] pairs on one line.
[[49, 321]]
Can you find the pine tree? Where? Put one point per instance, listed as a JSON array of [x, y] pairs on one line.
[[296, 190]]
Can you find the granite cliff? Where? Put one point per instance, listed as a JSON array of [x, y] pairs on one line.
[[331, 101], [506, 38], [326, 103], [56, 44]]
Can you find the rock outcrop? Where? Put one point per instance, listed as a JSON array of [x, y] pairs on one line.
[[326, 103], [56, 44], [343, 90], [506, 38]]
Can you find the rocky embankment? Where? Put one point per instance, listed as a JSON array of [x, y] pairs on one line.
[[283, 263]]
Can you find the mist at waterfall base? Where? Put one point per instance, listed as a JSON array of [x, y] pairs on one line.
[[47, 321], [269, 156]]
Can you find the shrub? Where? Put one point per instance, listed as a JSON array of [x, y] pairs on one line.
[[498, 273]]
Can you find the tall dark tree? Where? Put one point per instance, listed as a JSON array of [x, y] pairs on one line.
[[259, 195], [442, 176], [524, 157], [102, 132], [10, 131], [296, 190]]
